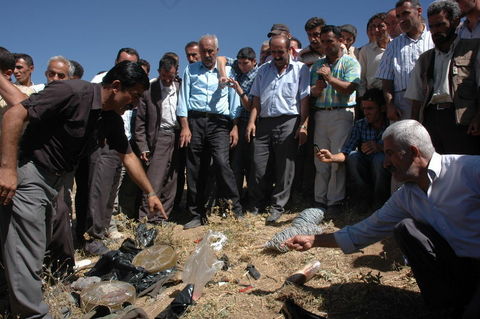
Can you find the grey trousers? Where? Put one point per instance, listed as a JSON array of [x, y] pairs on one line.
[[25, 233], [162, 174], [275, 137]]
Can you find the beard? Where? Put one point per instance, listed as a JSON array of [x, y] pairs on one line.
[[441, 38]]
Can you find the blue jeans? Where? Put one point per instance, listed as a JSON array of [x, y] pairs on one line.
[[369, 180]]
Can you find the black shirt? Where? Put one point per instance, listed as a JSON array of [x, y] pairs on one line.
[[66, 123]]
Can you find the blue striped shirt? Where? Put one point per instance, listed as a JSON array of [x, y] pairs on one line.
[[200, 92], [400, 57]]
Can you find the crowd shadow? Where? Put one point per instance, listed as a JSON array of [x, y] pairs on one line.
[[391, 258], [367, 301]]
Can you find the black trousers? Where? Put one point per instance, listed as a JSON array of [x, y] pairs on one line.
[[447, 136], [210, 136], [446, 281]]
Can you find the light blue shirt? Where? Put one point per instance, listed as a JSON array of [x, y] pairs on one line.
[[200, 92], [280, 94], [451, 206]]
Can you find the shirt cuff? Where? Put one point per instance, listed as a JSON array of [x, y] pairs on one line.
[[342, 237]]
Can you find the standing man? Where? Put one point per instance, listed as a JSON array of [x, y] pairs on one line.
[[104, 177], [400, 57], [470, 27], [280, 101], [192, 52], [66, 121], [445, 84], [156, 137], [434, 216], [371, 54], [334, 80], [314, 51], [206, 112]]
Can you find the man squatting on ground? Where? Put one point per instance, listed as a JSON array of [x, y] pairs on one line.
[[66, 122], [434, 216]]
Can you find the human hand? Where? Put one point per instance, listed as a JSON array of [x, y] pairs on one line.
[[393, 114], [145, 156], [185, 137], [370, 147], [325, 72], [301, 134], [155, 206], [8, 185], [474, 127], [234, 136], [325, 156], [300, 242], [250, 131]]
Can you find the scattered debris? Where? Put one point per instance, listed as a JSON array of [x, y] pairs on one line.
[[179, 305], [303, 275], [253, 271]]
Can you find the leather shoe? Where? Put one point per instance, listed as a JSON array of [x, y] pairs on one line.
[[96, 248], [194, 223], [273, 217]]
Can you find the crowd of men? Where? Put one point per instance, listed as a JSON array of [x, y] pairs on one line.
[[246, 133]]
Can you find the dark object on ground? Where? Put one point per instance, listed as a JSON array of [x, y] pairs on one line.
[[179, 305], [253, 271], [293, 311], [117, 265], [95, 248], [226, 262], [144, 236]]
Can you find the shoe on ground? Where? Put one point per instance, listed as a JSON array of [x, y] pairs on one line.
[[194, 223], [273, 217], [96, 248], [319, 205], [335, 210]]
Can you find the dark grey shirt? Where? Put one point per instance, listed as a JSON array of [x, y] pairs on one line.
[[66, 123]]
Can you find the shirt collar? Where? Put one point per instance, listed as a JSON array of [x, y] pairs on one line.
[[435, 166], [421, 37]]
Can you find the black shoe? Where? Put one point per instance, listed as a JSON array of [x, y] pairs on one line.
[[335, 210], [273, 217], [319, 205], [96, 248], [194, 223]]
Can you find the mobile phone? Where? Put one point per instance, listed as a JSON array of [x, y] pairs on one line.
[[316, 148]]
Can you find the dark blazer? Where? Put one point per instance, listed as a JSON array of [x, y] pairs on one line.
[[149, 115]]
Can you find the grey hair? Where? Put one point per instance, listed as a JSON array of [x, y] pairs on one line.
[[451, 8], [210, 36], [408, 133], [71, 68]]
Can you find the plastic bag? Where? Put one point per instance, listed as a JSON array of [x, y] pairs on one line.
[[203, 263], [179, 305], [145, 237]]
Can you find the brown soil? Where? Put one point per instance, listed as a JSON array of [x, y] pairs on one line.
[[368, 284]]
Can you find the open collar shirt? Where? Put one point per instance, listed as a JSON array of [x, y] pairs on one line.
[[200, 91], [465, 33], [400, 57], [451, 206], [280, 94]]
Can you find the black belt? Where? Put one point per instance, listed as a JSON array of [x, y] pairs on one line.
[[205, 114], [331, 108], [441, 106]]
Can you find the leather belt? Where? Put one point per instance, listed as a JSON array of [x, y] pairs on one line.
[[205, 114], [331, 108], [441, 106]]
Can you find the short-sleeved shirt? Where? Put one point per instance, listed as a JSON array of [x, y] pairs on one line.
[[400, 57], [280, 94], [66, 122], [363, 132], [346, 69]]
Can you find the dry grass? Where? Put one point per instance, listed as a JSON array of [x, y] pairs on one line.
[[371, 284]]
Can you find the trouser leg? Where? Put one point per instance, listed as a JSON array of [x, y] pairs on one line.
[[61, 249], [381, 180], [161, 174], [195, 157], [81, 198], [445, 280], [25, 226], [218, 137], [285, 148], [258, 169], [358, 167], [241, 157], [105, 168]]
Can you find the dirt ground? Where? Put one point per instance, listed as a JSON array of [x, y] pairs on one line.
[[370, 284]]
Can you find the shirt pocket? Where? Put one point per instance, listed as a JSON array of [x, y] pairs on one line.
[[290, 90]]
